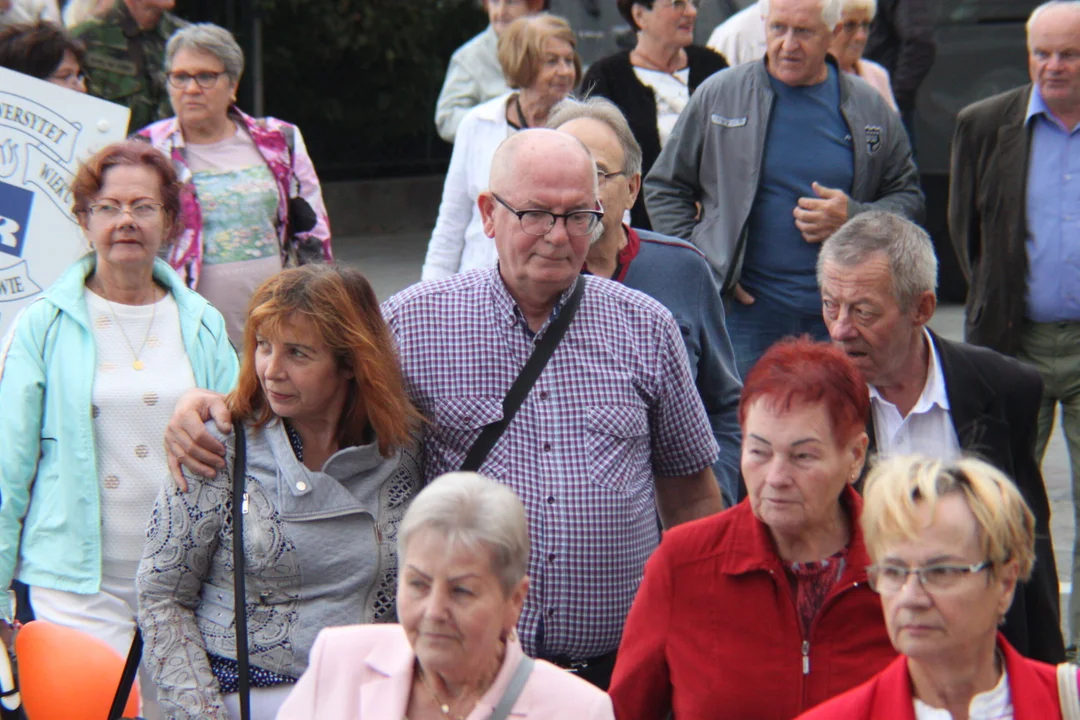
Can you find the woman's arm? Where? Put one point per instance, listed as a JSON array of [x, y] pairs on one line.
[[303, 701], [22, 394], [314, 245], [641, 684], [456, 209], [182, 538]]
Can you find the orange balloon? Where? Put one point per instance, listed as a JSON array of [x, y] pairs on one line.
[[66, 674]]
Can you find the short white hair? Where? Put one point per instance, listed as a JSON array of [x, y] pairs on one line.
[[831, 11], [869, 6], [473, 512], [1074, 4]]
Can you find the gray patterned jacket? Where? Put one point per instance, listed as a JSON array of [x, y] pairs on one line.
[[319, 548]]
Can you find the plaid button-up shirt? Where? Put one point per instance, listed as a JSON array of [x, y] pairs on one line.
[[614, 407]]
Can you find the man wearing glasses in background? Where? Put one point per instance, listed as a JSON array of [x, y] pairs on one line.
[[125, 57], [612, 424]]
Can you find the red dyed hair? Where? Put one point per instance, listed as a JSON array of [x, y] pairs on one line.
[[800, 371], [136, 153], [341, 306]]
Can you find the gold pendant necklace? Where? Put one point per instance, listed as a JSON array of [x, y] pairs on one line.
[[444, 708], [137, 364]]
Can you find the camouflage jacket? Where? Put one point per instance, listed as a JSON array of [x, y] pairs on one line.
[[126, 64]]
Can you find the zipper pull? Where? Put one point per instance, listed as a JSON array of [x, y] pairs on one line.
[[378, 534], [806, 657], [244, 505]]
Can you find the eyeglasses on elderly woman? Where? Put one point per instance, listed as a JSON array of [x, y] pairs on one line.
[[891, 579]]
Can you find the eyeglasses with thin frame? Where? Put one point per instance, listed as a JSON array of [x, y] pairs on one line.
[[69, 77], [602, 177], [205, 80], [851, 26], [139, 211], [890, 579], [681, 6], [579, 223]]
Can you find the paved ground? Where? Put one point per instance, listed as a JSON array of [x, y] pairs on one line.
[[392, 262]]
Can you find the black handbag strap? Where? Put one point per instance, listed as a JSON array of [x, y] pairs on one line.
[[515, 396], [127, 678], [239, 509]]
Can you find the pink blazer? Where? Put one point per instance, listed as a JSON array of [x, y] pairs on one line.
[[364, 672]]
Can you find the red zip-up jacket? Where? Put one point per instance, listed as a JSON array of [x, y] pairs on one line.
[[714, 631], [887, 695]]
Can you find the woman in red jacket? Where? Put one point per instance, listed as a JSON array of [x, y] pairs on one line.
[[950, 543], [763, 611]]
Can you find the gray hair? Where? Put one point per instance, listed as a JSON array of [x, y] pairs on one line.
[[868, 5], [912, 263], [471, 511], [831, 11], [1075, 4], [604, 111], [208, 38]]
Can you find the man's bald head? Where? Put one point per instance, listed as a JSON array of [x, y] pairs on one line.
[[539, 147]]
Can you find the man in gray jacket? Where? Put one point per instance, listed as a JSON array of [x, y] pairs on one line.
[[779, 153]]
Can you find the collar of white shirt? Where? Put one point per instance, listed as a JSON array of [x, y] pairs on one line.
[[928, 428], [993, 704], [933, 392]]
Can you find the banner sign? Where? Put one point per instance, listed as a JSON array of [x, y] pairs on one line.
[[45, 132]]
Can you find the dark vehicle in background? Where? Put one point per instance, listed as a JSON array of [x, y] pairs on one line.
[[981, 51]]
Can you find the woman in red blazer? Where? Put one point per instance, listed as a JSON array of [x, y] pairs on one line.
[[763, 610], [949, 543]]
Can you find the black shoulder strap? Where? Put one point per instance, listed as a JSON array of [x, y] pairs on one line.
[[127, 678], [545, 348], [239, 509]]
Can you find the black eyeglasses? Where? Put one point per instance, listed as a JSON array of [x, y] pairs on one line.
[[579, 223], [205, 80]]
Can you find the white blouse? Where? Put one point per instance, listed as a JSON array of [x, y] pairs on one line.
[[993, 704], [672, 93], [458, 242]]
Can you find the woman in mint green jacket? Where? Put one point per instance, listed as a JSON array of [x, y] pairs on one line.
[[88, 377]]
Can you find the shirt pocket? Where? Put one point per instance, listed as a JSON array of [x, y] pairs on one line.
[[457, 425], [618, 441]]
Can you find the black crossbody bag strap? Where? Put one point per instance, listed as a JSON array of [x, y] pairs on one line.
[[127, 678], [239, 507], [515, 396]]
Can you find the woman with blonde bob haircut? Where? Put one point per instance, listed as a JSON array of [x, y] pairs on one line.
[[949, 542], [331, 466], [463, 549], [541, 64]]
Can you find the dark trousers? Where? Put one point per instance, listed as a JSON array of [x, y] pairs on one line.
[[596, 671]]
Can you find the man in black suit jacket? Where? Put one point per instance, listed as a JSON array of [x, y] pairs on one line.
[[1014, 198], [934, 397]]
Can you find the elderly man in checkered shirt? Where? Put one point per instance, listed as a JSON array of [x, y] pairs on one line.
[[613, 429]]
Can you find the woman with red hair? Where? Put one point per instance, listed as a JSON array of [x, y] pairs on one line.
[[332, 463], [763, 611]]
